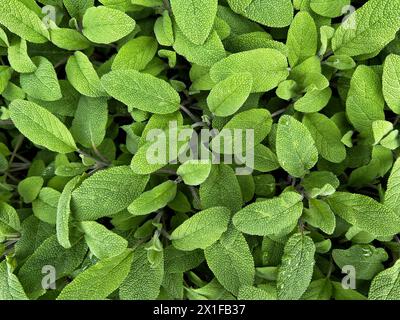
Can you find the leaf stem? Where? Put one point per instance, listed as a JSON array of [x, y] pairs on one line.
[[190, 114], [167, 5], [99, 161], [279, 112]]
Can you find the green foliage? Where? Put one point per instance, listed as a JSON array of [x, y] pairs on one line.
[[199, 149]]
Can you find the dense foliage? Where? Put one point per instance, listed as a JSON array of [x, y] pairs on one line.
[[86, 214]]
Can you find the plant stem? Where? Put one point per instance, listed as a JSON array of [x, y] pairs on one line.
[[190, 114]]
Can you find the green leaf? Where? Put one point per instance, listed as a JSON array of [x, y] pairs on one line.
[[10, 287], [68, 39], [100, 280], [386, 285], [313, 101], [302, 38], [295, 272], [320, 216], [221, 189], [195, 172], [9, 221], [5, 76], [42, 83], [366, 259], [135, 54], [177, 261], [66, 106], [365, 101], [340, 293], [102, 242], [64, 213], [90, 121], [19, 58], [107, 192], [253, 293], [329, 8], [195, 18], [83, 76], [19, 19], [163, 30], [275, 216], [391, 82], [380, 129], [257, 122], [143, 281], [106, 25], [33, 233], [265, 160], [65, 261], [206, 54], [45, 206], [201, 230], [320, 289], [268, 68], [3, 39], [41, 127], [365, 31], [365, 213], [295, 147], [340, 62], [327, 137], [141, 91], [231, 261], [392, 195], [154, 199], [29, 188], [271, 13], [320, 183], [76, 8], [230, 94], [158, 151]]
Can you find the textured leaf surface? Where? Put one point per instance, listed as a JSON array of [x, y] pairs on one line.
[[102, 242], [365, 213], [195, 18], [154, 199], [327, 137], [90, 121], [19, 19], [41, 127], [141, 91], [270, 217], [83, 77], [106, 193], [64, 213], [230, 94], [42, 83], [100, 280], [369, 29], [391, 82], [221, 189], [106, 25], [386, 285], [295, 272], [295, 147], [201, 230], [365, 101], [268, 67], [143, 280], [231, 261], [10, 287]]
